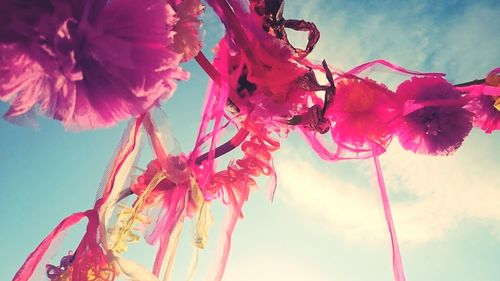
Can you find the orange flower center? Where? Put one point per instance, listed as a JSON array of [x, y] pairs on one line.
[[360, 98], [496, 104]]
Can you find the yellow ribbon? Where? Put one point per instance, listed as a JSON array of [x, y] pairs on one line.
[[205, 219], [124, 234]]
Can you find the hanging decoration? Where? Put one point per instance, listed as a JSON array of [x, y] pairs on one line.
[[91, 63]]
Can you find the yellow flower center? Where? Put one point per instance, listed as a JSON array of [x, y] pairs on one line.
[[497, 103]]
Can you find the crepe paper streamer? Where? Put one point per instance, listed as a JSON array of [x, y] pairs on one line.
[[87, 263], [193, 264], [131, 270], [116, 179], [238, 179], [180, 197], [88, 260], [213, 110], [256, 161], [369, 66], [204, 221], [237, 195], [124, 152], [33, 260], [168, 250], [174, 204], [397, 263], [169, 226]]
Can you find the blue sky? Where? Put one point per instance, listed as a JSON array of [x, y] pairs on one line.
[[326, 222]]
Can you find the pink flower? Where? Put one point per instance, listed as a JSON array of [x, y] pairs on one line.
[[143, 181], [439, 123], [486, 108], [362, 111], [89, 63], [175, 170]]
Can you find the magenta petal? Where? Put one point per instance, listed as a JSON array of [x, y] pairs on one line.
[[100, 62], [436, 130], [486, 115]]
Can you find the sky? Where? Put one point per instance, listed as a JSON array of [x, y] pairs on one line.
[[326, 222]]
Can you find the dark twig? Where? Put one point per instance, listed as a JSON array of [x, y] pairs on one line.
[[470, 83], [231, 144]]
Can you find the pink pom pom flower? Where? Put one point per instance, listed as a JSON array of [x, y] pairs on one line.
[[434, 120], [486, 108], [362, 113], [88, 63]]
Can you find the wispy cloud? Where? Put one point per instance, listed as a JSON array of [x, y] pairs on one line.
[[468, 47], [446, 190], [273, 268], [344, 207], [430, 195], [456, 38]]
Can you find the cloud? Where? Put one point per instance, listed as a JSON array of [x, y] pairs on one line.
[[468, 47], [447, 190], [456, 38], [429, 195], [354, 33], [271, 268], [343, 206]]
